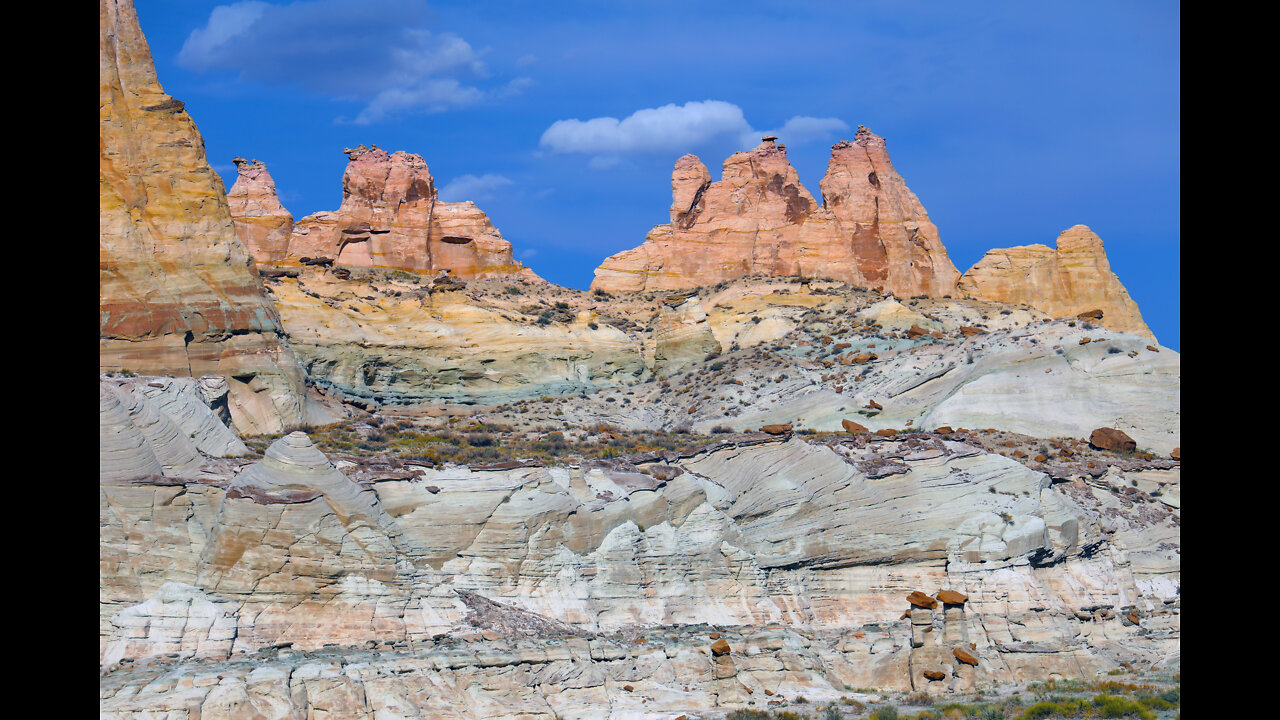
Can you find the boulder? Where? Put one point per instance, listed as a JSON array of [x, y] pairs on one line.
[[1112, 439], [853, 427], [919, 599], [965, 656], [776, 429], [951, 597], [719, 647]]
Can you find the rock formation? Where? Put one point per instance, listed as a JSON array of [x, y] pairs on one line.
[[507, 546], [758, 219], [390, 218], [1073, 279], [763, 536], [178, 291], [262, 223]]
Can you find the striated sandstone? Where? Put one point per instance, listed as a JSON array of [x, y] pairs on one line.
[[758, 540], [390, 217], [1072, 280], [263, 224], [178, 291], [758, 219]]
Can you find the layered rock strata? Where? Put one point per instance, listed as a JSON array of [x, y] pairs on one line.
[[263, 224], [397, 340], [1072, 279], [390, 217], [178, 291], [767, 537], [758, 219], [814, 356]]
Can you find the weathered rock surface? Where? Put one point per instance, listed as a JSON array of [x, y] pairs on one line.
[[1024, 373], [758, 219], [153, 426], [1073, 279], [178, 293], [262, 223], [398, 340], [390, 217], [760, 539]]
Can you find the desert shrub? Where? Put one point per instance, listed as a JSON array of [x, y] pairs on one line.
[[886, 712], [721, 429], [1118, 707], [918, 699]]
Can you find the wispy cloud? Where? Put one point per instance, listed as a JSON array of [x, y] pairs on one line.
[[474, 188], [674, 128], [372, 51]]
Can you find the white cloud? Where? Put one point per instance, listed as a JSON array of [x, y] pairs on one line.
[[430, 95], [674, 128], [471, 187], [371, 51], [668, 128]]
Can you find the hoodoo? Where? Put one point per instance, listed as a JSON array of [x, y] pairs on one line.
[[758, 219], [390, 218], [263, 224], [1074, 279]]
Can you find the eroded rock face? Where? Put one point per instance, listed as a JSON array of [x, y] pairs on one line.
[[758, 219], [1071, 280], [390, 218], [792, 547], [178, 291], [262, 223]]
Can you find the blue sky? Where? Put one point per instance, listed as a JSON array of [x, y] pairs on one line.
[[1012, 121]]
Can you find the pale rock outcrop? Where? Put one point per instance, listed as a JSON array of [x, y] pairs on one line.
[[177, 289], [744, 532], [390, 217], [158, 426], [193, 405], [758, 219], [1072, 279], [683, 336], [123, 451], [893, 315], [263, 224], [411, 345]]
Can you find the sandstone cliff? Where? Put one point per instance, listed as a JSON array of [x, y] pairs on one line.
[[1075, 278], [178, 291], [390, 217], [758, 219]]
